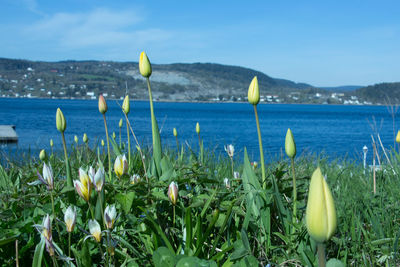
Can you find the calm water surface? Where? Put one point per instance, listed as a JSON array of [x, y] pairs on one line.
[[335, 130]]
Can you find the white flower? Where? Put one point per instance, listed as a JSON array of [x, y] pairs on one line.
[[95, 230], [110, 213], [173, 192], [230, 149], [227, 183], [70, 218], [48, 178]]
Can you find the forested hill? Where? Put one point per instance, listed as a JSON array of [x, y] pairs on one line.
[[383, 93]]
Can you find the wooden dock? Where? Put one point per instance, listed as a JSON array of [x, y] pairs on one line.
[[8, 134]]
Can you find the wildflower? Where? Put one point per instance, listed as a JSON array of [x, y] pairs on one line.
[[102, 142], [97, 178], [42, 155], [120, 165], [70, 218], [126, 105], [102, 104], [135, 179], [83, 186], [46, 232], [320, 213], [197, 128], [95, 230], [253, 94], [51, 143], [120, 123], [290, 145], [175, 132], [254, 164], [227, 183], [144, 65], [76, 139], [230, 149], [48, 178], [85, 138], [173, 193], [113, 135], [60, 121], [236, 175], [110, 213]]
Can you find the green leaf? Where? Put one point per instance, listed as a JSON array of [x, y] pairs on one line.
[[163, 257], [249, 260], [85, 258], [334, 263], [245, 240], [195, 262], [125, 200], [37, 257]]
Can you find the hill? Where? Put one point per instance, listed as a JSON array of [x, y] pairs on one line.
[[382, 93]]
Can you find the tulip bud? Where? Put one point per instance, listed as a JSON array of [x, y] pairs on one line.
[[83, 185], [173, 193], [95, 230], [47, 178], [110, 213], [144, 65], [236, 175], [320, 213], [197, 128], [135, 179], [230, 149], [255, 164], [42, 155], [85, 138], [51, 143], [126, 105], [70, 218], [227, 183], [76, 139], [99, 179], [253, 94], [290, 145], [102, 104], [113, 135], [398, 137], [102, 142], [60, 121], [120, 123], [175, 132], [120, 165]]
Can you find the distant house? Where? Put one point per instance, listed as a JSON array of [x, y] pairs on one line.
[[90, 93]]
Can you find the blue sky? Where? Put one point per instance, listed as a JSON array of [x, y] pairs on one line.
[[324, 43]]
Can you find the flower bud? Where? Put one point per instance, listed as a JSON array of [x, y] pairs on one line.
[[83, 185], [144, 65], [60, 121], [46, 228], [173, 192], [253, 94], [320, 213], [120, 123], [227, 183], [398, 137], [85, 138], [95, 230], [99, 179], [135, 179], [113, 135], [102, 104], [230, 149], [102, 142], [120, 165], [42, 155], [76, 139], [290, 145], [110, 213], [47, 178], [197, 128], [126, 105], [70, 218], [175, 132], [51, 143]]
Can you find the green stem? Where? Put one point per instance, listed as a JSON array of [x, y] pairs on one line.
[[233, 172], [294, 192], [54, 215], [69, 245], [261, 147], [91, 210], [101, 251], [69, 178], [129, 142], [173, 220], [102, 210], [108, 147], [321, 255], [120, 142], [177, 144], [54, 261]]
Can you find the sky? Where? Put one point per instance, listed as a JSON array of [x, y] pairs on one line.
[[323, 43]]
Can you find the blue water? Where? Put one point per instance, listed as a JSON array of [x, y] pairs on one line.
[[334, 130]]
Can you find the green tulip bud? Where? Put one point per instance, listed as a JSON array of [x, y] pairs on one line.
[[253, 94], [320, 213], [85, 138], [113, 135], [144, 65], [102, 142], [120, 123], [290, 145], [42, 155], [175, 132], [60, 121], [76, 139], [126, 105], [197, 128], [51, 143], [102, 104]]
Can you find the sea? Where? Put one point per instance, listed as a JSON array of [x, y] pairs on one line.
[[334, 131]]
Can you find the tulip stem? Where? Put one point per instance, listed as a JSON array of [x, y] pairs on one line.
[[91, 210], [54, 215], [261, 148], [294, 192], [173, 220], [177, 144], [321, 255], [120, 142], [102, 210], [233, 172], [69, 178], [54, 261], [108, 147], [129, 142], [69, 245]]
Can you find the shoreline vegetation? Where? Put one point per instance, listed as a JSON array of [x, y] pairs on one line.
[[121, 204]]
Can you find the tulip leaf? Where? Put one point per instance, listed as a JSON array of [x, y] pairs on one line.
[[37, 257], [195, 262], [163, 257], [125, 200], [249, 260], [334, 263]]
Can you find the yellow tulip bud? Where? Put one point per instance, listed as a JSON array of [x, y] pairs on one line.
[[42, 155], [102, 104], [173, 192], [51, 143], [60, 121], [126, 105], [290, 145], [320, 213], [85, 138], [76, 139], [120, 123], [253, 94], [113, 135], [398, 137], [102, 142], [144, 65], [175, 132], [197, 128]]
